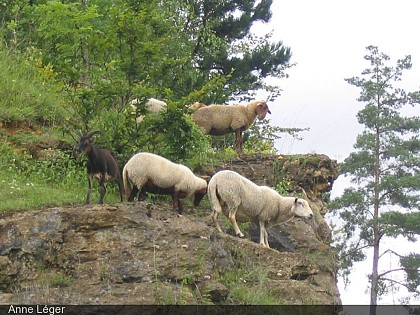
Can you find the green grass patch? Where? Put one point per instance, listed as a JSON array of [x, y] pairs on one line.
[[247, 286], [28, 183], [27, 94]]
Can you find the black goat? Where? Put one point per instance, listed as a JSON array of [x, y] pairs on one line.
[[101, 165]]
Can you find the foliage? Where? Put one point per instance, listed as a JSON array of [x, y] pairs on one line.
[[104, 53], [75, 65], [283, 186], [385, 169], [26, 95]]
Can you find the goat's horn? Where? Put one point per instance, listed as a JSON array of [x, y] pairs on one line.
[[92, 133]]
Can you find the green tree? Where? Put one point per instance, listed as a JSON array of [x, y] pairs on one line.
[[385, 170], [103, 53], [223, 45]]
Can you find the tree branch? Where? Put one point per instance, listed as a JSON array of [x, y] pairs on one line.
[[389, 271], [402, 284]]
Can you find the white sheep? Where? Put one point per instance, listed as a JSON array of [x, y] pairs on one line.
[[236, 195], [223, 119], [153, 105], [147, 172]]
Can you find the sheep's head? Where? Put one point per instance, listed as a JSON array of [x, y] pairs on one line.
[[261, 110], [196, 106], [198, 196], [84, 143], [301, 208]]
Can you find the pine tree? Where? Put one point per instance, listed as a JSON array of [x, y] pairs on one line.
[[385, 170]]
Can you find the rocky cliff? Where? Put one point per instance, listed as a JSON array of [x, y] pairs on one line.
[[144, 254]]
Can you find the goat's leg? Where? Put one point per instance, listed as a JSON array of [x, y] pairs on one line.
[[121, 189], [102, 189], [89, 189]]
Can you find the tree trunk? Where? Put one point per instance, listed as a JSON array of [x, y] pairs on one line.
[[376, 232], [375, 262]]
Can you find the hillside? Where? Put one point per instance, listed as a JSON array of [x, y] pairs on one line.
[[144, 254]]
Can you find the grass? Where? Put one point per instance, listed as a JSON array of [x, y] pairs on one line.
[[247, 281], [28, 86], [18, 193], [247, 286], [27, 183]]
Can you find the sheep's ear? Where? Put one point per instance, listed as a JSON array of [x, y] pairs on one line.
[[262, 109], [296, 200], [206, 178]]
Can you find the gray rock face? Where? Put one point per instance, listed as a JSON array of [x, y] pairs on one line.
[[144, 254]]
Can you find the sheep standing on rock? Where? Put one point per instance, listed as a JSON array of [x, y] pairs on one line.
[[147, 172], [234, 194], [153, 105], [224, 119]]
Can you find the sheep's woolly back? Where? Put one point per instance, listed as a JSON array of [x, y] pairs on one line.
[[255, 203], [144, 167], [234, 189], [222, 119], [242, 200], [153, 105]]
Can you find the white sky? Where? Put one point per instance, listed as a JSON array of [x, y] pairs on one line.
[[328, 39]]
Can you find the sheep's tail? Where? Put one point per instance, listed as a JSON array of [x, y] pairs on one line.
[[126, 182], [213, 197]]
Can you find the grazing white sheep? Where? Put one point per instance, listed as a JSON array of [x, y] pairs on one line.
[[153, 105], [147, 172], [224, 119], [234, 194]]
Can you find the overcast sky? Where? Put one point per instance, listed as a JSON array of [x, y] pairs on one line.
[[328, 39]]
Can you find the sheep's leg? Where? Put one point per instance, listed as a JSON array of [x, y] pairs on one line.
[[263, 235], [232, 218], [176, 203], [89, 189], [238, 134], [142, 195], [133, 194], [214, 215], [266, 239], [141, 186]]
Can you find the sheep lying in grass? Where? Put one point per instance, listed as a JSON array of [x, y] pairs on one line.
[[152, 106], [147, 172], [234, 194], [224, 119]]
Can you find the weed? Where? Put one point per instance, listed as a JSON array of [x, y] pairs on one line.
[[283, 186], [59, 280]]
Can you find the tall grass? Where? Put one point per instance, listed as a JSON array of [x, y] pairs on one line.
[[27, 93]]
